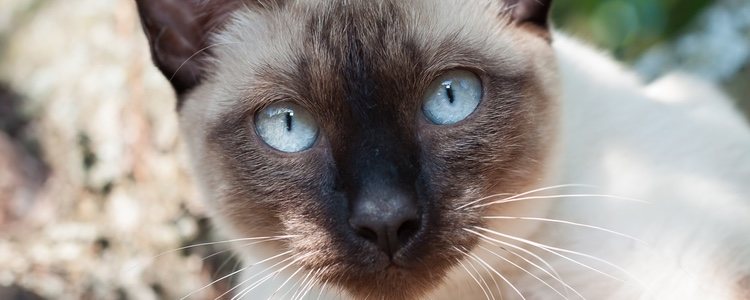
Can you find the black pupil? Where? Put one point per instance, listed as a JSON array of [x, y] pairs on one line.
[[449, 91], [289, 116]]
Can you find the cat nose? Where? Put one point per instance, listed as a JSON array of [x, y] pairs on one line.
[[388, 222]]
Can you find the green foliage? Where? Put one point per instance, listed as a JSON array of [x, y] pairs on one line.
[[627, 27]]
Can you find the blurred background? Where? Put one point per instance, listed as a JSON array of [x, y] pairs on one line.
[[93, 182]]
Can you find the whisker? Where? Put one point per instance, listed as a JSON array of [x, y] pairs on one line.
[[511, 199], [257, 274], [297, 285], [497, 285], [473, 277], [525, 193], [506, 280], [508, 8], [482, 199], [264, 279], [499, 290], [310, 284], [256, 284], [265, 239], [569, 223], [498, 274], [214, 254], [285, 282], [262, 239], [322, 288], [556, 276], [569, 259], [304, 285], [224, 264], [532, 254], [234, 273], [553, 250], [241, 246], [196, 54], [481, 278], [523, 269]]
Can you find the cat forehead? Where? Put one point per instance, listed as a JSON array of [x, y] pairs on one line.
[[259, 44]]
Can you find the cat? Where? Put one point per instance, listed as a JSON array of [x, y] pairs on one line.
[[450, 149]]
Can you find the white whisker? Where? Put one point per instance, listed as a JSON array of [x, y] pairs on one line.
[[257, 274], [554, 250], [526, 271], [556, 276], [241, 246], [498, 274], [265, 239], [256, 284], [569, 259], [310, 284], [473, 277], [499, 290], [481, 278], [497, 285], [569, 223], [294, 287], [511, 199], [223, 264], [542, 260], [234, 273], [196, 54], [322, 288], [525, 193], [269, 276], [284, 284], [298, 289], [214, 254]]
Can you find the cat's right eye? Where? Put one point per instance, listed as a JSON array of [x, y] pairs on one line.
[[286, 127], [453, 97]]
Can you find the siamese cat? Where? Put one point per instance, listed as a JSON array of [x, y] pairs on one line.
[[446, 149]]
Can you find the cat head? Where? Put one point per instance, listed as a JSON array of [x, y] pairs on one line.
[[367, 131]]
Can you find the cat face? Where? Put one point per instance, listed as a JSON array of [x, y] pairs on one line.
[[363, 129]]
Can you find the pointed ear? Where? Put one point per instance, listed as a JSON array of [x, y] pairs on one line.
[[531, 13], [178, 32]]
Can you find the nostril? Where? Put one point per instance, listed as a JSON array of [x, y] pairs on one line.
[[388, 222], [389, 232], [407, 230], [367, 234]]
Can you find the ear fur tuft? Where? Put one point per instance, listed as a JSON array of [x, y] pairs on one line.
[[532, 14], [178, 32]]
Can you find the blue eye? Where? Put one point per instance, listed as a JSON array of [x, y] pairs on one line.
[[286, 127], [452, 97]]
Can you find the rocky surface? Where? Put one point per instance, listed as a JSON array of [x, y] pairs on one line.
[[93, 184]]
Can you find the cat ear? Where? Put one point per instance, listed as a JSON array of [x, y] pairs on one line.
[[178, 31], [533, 13]]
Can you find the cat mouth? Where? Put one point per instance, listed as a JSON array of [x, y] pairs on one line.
[[393, 282], [405, 277]]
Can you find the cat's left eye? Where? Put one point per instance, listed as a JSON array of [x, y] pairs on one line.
[[452, 97], [287, 127]]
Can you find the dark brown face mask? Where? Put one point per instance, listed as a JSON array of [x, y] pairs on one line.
[[375, 196]]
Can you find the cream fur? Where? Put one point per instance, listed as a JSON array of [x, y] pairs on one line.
[[676, 143]]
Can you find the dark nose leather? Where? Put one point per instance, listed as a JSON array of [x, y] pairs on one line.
[[389, 219]]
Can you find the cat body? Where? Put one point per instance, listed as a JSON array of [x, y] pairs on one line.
[[569, 179]]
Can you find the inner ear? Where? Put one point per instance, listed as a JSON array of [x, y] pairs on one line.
[[533, 13], [178, 32]]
